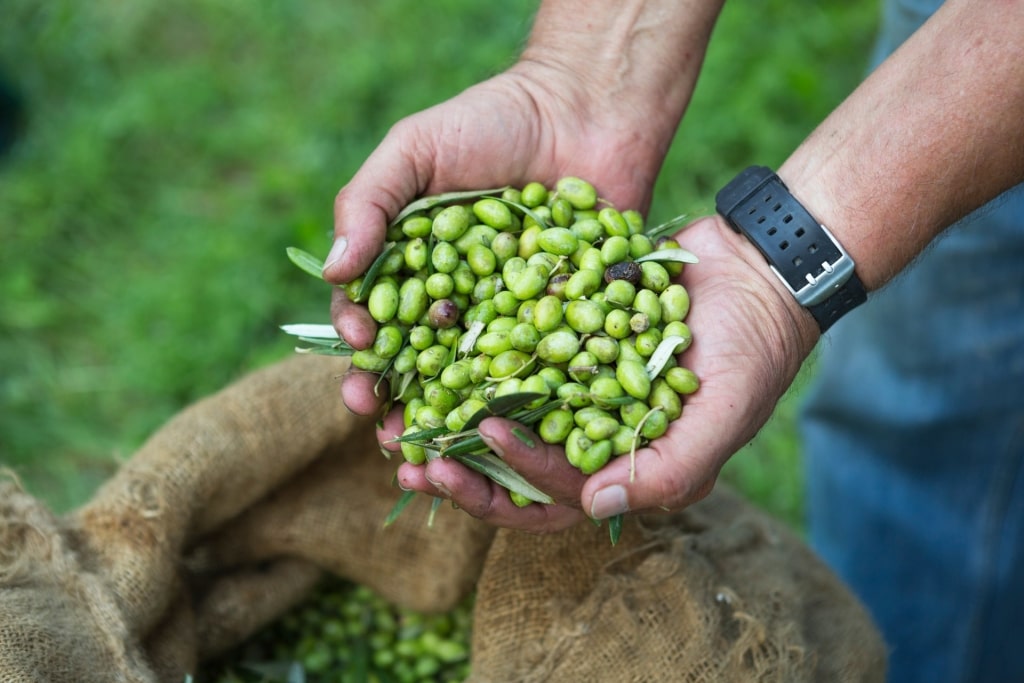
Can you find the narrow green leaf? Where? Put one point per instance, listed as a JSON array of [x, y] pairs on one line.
[[670, 255], [371, 273], [499, 471], [425, 203], [306, 261], [330, 343], [343, 351], [403, 502], [532, 416], [615, 528], [464, 446], [662, 353], [538, 219], [667, 229], [503, 406], [424, 436], [434, 505]]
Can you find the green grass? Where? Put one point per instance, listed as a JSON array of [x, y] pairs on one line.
[[174, 150]]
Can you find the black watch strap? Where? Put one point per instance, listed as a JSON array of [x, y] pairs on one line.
[[800, 250]]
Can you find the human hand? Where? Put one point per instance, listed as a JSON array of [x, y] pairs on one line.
[[750, 338], [531, 123]]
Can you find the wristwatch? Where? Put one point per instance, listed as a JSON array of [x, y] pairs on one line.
[[800, 250]]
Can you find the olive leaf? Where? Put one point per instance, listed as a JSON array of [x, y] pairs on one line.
[[670, 255], [666, 229], [371, 274], [664, 351], [615, 528], [537, 218], [502, 406], [498, 470], [400, 505], [425, 203], [306, 261], [311, 331]]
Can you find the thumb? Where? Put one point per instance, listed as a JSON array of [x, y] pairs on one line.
[[362, 209]]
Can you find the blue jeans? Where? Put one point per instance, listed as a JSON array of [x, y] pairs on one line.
[[914, 438]]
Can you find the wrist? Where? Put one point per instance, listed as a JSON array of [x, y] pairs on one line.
[[796, 325], [800, 251], [626, 65]]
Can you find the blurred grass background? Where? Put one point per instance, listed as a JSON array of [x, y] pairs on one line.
[[171, 152]]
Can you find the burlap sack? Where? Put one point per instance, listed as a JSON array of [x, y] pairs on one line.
[[227, 516], [717, 593], [231, 513]]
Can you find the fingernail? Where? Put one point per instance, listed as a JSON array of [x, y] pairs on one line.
[[440, 487], [608, 502], [492, 444], [337, 252]]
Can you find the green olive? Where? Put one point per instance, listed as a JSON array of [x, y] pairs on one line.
[[654, 276], [444, 257], [583, 283], [547, 313], [534, 194], [413, 301], [675, 303], [530, 282], [596, 457], [554, 427], [578, 192], [682, 380], [412, 453], [416, 226], [632, 377], [614, 223], [493, 212], [559, 241], [558, 347], [481, 260], [524, 337], [584, 316], [505, 245], [451, 223], [437, 286], [383, 301], [430, 361], [388, 341], [561, 212], [508, 363]]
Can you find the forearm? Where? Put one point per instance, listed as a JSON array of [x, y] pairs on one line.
[[935, 132], [634, 63]]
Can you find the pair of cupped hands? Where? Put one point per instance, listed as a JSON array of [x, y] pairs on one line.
[[750, 336]]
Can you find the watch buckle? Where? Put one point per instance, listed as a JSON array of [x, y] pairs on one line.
[[821, 287]]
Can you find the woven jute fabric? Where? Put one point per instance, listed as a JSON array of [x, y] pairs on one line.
[[718, 592], [234, 510], [226, 517]]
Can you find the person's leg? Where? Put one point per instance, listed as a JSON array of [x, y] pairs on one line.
[[914, 440]]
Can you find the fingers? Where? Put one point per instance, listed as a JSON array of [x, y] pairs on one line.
[[490, 502], [391, 428], [363, 208], [361, 392], [543, 464]]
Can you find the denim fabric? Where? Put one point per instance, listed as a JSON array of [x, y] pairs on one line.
[[914, 439]]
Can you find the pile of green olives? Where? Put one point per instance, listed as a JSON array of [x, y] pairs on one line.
[[346, 633], [531, 290]]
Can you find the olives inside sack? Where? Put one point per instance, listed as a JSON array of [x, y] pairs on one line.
[[542, 304]]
